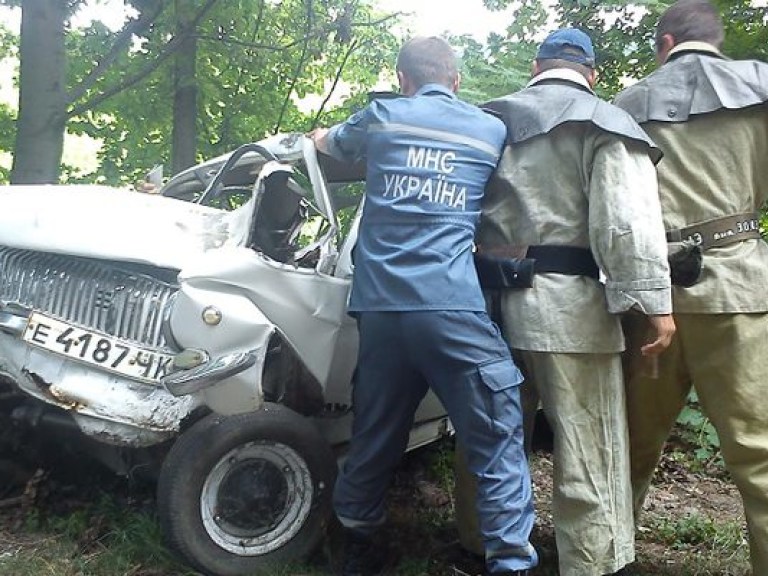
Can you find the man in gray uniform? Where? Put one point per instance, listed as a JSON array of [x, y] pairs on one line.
[[709, 115], [575, 193]]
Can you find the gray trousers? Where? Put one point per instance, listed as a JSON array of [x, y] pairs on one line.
[[722, 357], [583, 398]]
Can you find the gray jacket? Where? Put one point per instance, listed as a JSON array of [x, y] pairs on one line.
[[578, 183], [709, 115]]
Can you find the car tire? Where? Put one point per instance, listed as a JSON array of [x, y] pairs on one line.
[[242, 494]]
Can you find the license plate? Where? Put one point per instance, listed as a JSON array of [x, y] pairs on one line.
[[96, 348]]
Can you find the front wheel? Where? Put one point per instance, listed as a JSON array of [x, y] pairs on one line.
[[238, 495]]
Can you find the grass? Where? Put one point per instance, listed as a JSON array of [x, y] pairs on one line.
[[101, 539], [696, 530], [117, 534], [709, 547]]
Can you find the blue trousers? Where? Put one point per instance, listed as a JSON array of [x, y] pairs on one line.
[[463, 358]]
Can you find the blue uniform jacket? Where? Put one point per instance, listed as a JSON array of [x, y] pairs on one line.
[[429, 157]]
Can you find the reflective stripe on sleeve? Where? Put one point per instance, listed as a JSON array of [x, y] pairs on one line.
[[439, 135]]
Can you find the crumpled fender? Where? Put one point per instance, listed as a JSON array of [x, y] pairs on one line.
[[242, 328]]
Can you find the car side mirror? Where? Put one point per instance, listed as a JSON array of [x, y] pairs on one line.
[[155, 176]]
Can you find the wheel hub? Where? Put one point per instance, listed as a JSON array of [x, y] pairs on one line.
[[256, 498], [252, 498]]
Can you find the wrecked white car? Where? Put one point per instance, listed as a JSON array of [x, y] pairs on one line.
[[200, 333]]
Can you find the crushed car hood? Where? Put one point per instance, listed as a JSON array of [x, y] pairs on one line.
[[116, 224]]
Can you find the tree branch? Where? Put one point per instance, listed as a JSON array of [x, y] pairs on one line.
[[11, 502], [299, 66], [319, 32], [235, 42], [241, 73], [122, 42], [169, 49], [336, 80]]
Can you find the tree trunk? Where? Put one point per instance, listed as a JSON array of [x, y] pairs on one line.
[[184, 145], [42, 93]]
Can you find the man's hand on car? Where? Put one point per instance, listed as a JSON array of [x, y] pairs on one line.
[[320, 137]]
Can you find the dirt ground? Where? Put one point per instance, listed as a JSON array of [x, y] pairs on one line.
[[667, 543], [421, 515], [677, 494]]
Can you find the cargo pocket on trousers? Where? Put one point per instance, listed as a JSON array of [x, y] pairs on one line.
[[501, 379]]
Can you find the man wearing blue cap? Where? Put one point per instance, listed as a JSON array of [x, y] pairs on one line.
[[575, 197]]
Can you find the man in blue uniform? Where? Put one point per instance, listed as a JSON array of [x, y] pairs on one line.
[[420, 310]]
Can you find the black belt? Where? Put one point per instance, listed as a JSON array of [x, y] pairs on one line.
[[571, 260], [718, 231], [503, 268]]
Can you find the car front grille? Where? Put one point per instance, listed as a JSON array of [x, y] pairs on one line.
[[124, 301]]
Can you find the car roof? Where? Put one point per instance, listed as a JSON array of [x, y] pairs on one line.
[[282, 147]]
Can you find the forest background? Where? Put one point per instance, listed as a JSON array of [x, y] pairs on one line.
[[186, 80]]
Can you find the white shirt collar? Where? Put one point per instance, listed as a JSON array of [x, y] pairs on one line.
[[697, 46], [561, 74]]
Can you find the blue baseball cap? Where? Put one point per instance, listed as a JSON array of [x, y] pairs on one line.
[[569, 44]]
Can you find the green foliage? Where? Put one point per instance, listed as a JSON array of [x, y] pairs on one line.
[[8, 49], [347, 198], [486, 77], [503, 63], [694, 530], [257, 60], [623, 34], [7, 131], [440, 464], [100, 538], [699, 431], [746, 29]]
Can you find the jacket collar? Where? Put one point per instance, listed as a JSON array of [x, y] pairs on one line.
[[562, 74], [694, 47], [429, 89]]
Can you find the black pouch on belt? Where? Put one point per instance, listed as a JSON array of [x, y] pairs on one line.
[[685, 265], [496, 273], [689, 243]]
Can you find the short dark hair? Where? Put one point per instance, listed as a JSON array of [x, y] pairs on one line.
[[552, 63], [428, 60], [691, 20]]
